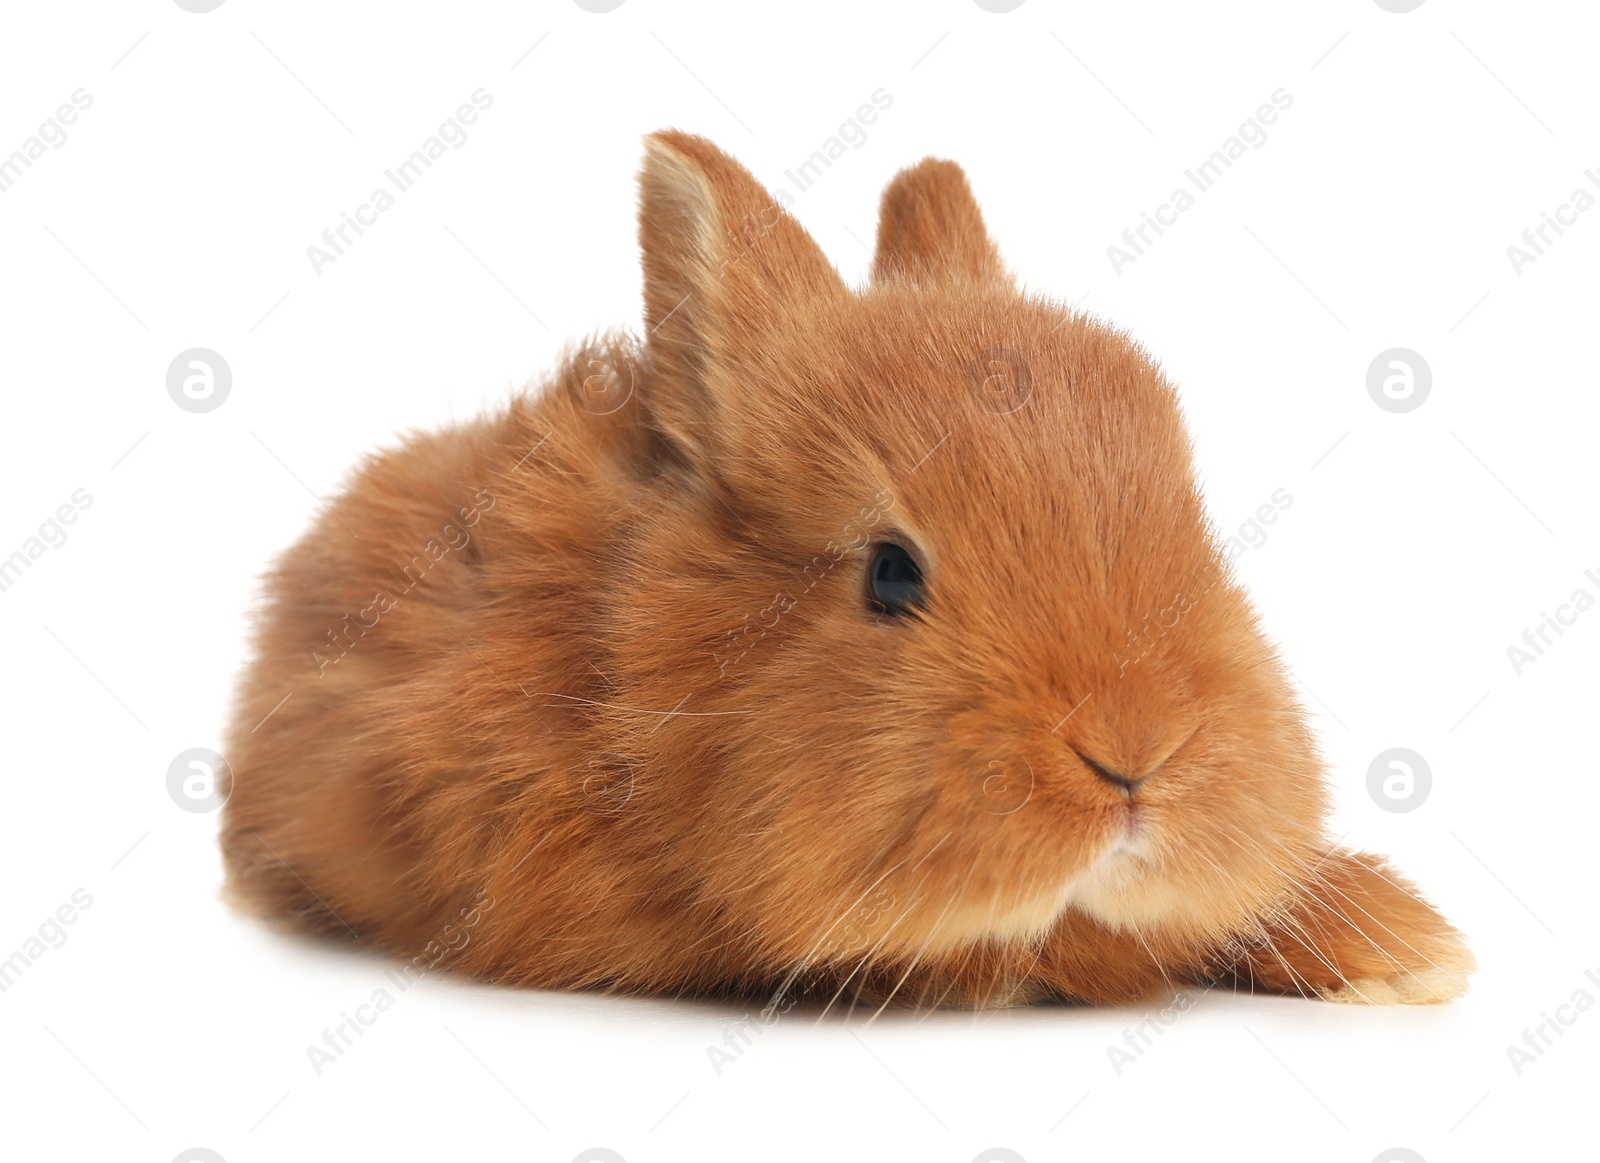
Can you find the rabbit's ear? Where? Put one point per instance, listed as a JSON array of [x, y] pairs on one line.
[[725, 267], [931, 231]]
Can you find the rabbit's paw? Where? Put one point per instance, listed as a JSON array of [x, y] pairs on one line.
[[1356, 932]]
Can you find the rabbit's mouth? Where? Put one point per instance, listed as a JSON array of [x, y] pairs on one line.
[[1125, 864]]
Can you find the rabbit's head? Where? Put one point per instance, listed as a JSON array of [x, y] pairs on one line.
[[948, 641]]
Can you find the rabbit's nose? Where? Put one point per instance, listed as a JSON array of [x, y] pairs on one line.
[[1116, 779]]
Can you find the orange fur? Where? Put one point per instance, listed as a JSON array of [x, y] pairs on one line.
[[603, 674]]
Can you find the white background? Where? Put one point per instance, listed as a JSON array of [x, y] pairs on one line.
[[1418, 547]]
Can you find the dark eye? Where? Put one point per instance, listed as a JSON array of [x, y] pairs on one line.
[[894, 583]]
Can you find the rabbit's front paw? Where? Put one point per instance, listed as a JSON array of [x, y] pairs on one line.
[[1357, 933]]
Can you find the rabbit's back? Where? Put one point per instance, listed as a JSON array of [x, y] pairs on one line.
[[406, 648]]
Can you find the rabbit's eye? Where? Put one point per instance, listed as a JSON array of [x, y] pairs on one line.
[[894, 582]]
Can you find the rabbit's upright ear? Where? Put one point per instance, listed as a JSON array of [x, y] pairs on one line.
[[930, 230], [725, 268]]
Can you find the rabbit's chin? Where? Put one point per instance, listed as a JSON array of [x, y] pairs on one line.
[[1127, 886], [1130, 887], [1122, 887]]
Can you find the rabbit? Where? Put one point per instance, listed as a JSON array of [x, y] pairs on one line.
[[820, 643]]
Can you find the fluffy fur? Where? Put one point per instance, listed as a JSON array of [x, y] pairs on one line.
[[599, 671]]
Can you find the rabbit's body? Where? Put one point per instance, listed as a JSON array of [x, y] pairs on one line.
[[598, 692]]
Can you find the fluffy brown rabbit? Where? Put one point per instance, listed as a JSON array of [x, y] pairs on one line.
[[825, 643]]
